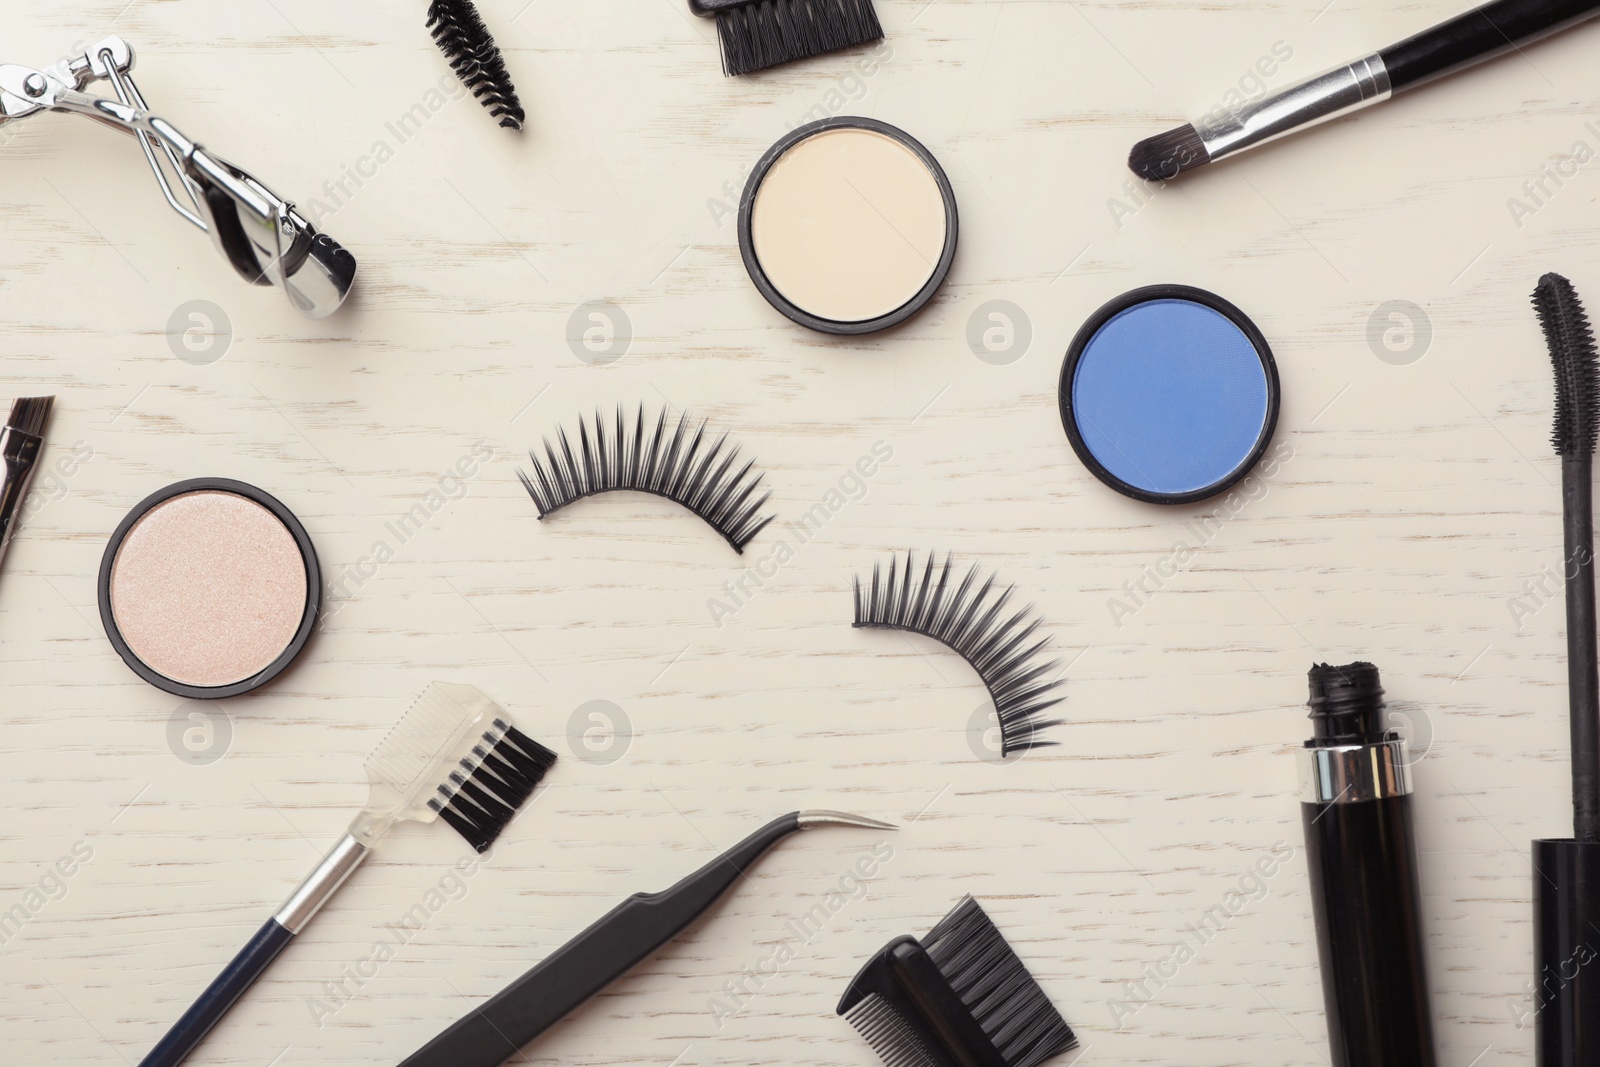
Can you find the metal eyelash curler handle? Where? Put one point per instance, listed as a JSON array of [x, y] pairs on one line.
[[261, 235]]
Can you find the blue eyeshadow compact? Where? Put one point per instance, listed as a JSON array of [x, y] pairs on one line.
[[1169, 394]]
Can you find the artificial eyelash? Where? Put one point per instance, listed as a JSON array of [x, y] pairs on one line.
[[969, 622], [466, 42], [697, 474]]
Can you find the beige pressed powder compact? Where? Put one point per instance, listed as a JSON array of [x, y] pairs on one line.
[[209, 588], [848, 225]]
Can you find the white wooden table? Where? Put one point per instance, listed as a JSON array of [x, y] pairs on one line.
[[1418, 510]]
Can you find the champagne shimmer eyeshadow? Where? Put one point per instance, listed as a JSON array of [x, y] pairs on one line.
[[848, 226], [209, 588]]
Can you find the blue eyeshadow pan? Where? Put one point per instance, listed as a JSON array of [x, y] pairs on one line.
[[1169, 394]]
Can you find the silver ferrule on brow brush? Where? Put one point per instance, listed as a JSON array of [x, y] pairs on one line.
[[340, 862], [19, 455], [1327, 96]]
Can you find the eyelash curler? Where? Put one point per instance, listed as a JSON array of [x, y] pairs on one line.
[[260, 234]]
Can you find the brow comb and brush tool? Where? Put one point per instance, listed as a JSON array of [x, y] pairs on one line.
[[1466, 40], [262, 236], [959, 997], [455, 757], [21, 441], [1566, 871], [494, 1032]]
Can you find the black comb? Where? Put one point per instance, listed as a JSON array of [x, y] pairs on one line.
[[757, 34], [958, 998], [466, 42]]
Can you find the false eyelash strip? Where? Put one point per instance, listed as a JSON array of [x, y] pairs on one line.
[[969, 618], [466, 42], [683, 466]]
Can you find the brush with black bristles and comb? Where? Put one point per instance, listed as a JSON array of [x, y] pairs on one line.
[[466, 42], [757, 34], [455, 757], [960, 997]]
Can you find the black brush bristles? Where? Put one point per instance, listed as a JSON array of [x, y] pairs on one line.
[[30, 414], [992, 982], [489, 786], [1572, 355], [466, 42], [684, 465], [970, 619], [1167, 155], [757, 34]]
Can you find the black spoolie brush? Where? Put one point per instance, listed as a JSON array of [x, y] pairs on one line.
[[757, 34], [461, 35], [1566, 880]]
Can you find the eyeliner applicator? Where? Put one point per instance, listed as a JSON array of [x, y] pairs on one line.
[[1466, 40], [1566, 871]]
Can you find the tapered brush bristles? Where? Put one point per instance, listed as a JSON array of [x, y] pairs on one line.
[[1166, 155], [684, 466], [30, 414], [765, 33], [461, 35], [1572, 355], [971, 620], [489, 787], [893, 1038], [992, 982]]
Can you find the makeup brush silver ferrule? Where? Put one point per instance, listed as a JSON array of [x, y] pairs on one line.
[[21, 441], [1330, 95]]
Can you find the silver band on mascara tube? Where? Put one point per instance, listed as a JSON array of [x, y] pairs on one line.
[[1351, 774], [1327, 96]]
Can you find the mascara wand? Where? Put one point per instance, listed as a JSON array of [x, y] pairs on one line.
[[1566, 883], [1572, 354]]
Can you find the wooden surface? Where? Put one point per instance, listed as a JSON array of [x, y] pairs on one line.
[[1412, 522]]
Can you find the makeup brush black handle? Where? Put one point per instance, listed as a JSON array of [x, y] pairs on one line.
[[1478, 35], [1583, 672], [219, 996], [576, 971]]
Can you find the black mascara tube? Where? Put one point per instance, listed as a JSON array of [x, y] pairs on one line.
[[1361, 850]]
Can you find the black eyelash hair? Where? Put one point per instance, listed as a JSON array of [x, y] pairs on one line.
[[757, 34], [484, 793], [682, 466], [959, 996], [969, 618], [466, 42]]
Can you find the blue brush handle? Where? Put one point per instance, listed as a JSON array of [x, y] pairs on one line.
[[219, 996]]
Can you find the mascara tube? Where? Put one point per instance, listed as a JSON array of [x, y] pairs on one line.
[[1361, 851]]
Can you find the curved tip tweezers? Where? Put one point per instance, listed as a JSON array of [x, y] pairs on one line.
[[494, 1032]]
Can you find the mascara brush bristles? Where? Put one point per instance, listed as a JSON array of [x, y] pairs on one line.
[[466, 42], [29, 414], [1577, 407]]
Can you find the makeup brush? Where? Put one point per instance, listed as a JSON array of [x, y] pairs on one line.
[[20, 443], [492, 1033], [452, 757], [1566, 881], [1466, 40], [757, 34], [466, 42]]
